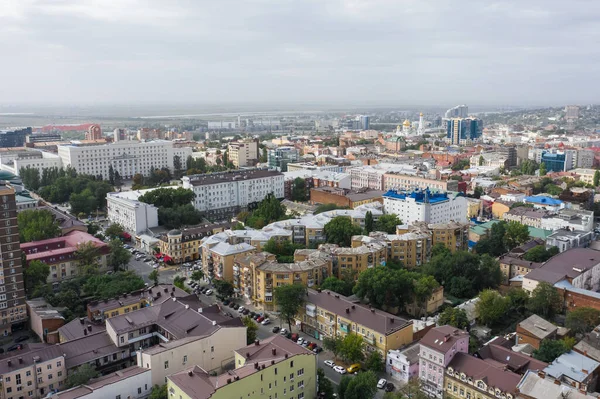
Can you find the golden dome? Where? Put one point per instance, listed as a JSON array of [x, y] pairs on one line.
[[421, 114], [406, 122]]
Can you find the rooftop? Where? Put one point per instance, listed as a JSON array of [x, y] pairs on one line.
[[480, 370], [538, 326], [224, 177], [423, 196], [571, 263], [443, 338], [514, 361], [543, 200], [150, 294], [535, 386], [93, 385], [573, 365]]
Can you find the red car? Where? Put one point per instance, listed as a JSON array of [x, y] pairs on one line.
[[261, 318]]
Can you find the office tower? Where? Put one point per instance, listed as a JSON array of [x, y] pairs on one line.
[[509, 152], [14, 137], [279, 157], [460, 111], [572, 112], [243, 153], [364, 122], [120, 134], [12, 290], [463, 130], [94, 133]]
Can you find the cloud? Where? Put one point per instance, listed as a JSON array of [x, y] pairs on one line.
[[386, 51]]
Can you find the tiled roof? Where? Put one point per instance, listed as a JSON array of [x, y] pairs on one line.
[[480, 370], [538, 326], [443, 338]]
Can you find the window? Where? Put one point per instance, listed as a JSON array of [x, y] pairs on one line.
[[28, 373], [59, 364], [301, 395], [184, 359], [166, 364], [292, 363], [7, 379], [300, 384], [139, 390], [212, 349], [275, 370], [118, 397], [59, 373], [300, 372]]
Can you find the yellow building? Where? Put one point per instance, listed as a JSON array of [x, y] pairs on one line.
[[473, 207], [452, 235], [327, 314], [469, 377], [217, 257], [499, 208], [257, 275], [350, 260], [434, 303], [412, 249], [276, 367], [183, 245]]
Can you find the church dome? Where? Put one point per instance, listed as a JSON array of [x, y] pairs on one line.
[[406, 122], [174, 233]]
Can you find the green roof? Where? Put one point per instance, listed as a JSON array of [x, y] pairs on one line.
[[539, 233], [6, 175], [479, 230]]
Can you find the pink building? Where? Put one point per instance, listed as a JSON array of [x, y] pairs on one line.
[[438, 347]]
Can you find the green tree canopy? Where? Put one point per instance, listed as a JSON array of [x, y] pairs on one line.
[[168, 197], [299, 190], [362, 386], [375, 362], [550, 349], [87, 254], [333, 344], [105, 286], [352, 348], [289, 299], [224, 288], [197, 275], [582, 320], [545, 301], [387, 223], [36, 225], [118, 256], [284, 250], [454, 317], [540, 253], [491, 307], [251, 329], [35, 274], [154, 275], [328, 207], [159, 392], [385, 288], [342, 286], [369, 224], [515, 235], [81, 376], [179, 215], [114, 230], [597, 178], [340, 230], [326, 390]]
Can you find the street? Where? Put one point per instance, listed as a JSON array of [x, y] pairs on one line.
[[166, 274]]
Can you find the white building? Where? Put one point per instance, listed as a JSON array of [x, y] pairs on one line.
[[132, 382], [226, 193], [403, 365], [243, 153], [135, 216], [569, 219], [14, 161], [425, 206], [126, 157]]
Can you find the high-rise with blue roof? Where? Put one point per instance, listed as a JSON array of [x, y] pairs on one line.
[[425, 206]]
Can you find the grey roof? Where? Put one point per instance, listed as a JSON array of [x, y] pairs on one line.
[[75, 329], [573, 262], [535, 386], [573, 365], [93, 385], [548, 276], [538, 326], [590, 345], [374, 319], [149, 293], [477, 369], [512, 260], [443, 338], [224, 177], [514, 361], [64, 219]]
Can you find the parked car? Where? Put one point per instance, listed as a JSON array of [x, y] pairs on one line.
[[265, 322], [245, 312], [381, 383], [231, 304], [14, 347], [260, 319], [241, 309], [22, 338], [300, 340], [256, 316], [226, 302], [317, 349], [236, 306], [252, 314], [312, 345], [306, 343], [330, 363], [354, 368], [339, 369], [284, 331], [276, 329], [389, 387], [208, 292], [294, 337]]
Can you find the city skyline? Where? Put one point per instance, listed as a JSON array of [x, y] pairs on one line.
[[282, 52]]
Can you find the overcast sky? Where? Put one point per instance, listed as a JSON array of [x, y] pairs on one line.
[[394, 52]]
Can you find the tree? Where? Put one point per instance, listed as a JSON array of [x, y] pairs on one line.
[[224, 288], [553, 189], [385, 288], [299, 190], [540, 253], [550, 349], [177, 166], [114, 230], [412, 390], [387, 223], [597, 178], [81, 376], [481, 160], [423, 288], [35, 274], [582, 320], [325, 390], [284, 250], [454, 317], [343, 385], [105, 286], [543, 169], [87, 254], [334, 344], [342, 286], [328, 207], [168, 197], [159, 392], [545, 300], [251, 329], [197, 275], [138, 181], [362, 386], [518, 299], [179, 281], [111, 174], [369, 226], [118, 256], [493, 245], [478, 192], [491, 307], [340, 230], [154, 276], [375, 362], [515, 235], [289, 299], [352, 347], [179, 215], [37, 224]]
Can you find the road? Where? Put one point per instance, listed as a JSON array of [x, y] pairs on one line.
[[166, 274]]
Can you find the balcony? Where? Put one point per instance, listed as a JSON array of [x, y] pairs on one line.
[[344, 327], [310, 283]]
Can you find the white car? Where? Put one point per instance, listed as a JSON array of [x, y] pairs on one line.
[[265, 322], [241, 309], [340, 369], [330, 363], [283, 331], [300, 341], [381, 383], [208, 292]]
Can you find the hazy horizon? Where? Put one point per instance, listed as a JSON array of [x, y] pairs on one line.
[[282, 53]]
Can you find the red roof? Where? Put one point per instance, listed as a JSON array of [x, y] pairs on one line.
[[63, 245]]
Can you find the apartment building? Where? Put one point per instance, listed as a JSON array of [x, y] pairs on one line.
[[412, 249], [60, 254], [17, 160], [452, 235], [426, 206], [327, 314], [567, 239], [12, 291], [276, 367], [227, 193], [126, 157], [352, 260], [243, 153], [585, 175], [184, 245], [217, 256], [135, 216], [404, 182], [403, 365], [345, 197], [469, 377], [438, 347]]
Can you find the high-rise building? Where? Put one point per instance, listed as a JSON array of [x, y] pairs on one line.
[[365, 122], [279, 157], [572, 112], [559, 161], [464, 130], [509, 152], [94, 132], [460, 111], [243, 153], [12, 291], [14, 137], [120, 134]]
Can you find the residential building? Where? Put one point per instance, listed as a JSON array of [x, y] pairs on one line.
[[44, 320], [133, 383], [512, 361], [510, 153], [431, 306], [426, 206], [125, 209], [461, 131], [452, 235], [567, 239], [576, 370], [243, 153], [24, 203], [460, 111], [403, 365], [94, 132], [217, 256], [225, 194], [43, 137], [184, 245], [405, 182], [14, 137], [585, 158], [327, 314], [13, 310], [411, 248], [513, 268], [278, 158], [344, 197], [490, 159], [470, 377], [569, 219], [525, 215], [276, 367], [126, 157], [536, 385], [543, 202], [571, 112], [353, 260], [586, 175], [372, 176], [15, 161], [60, 254], [438, 347], [534, 329]]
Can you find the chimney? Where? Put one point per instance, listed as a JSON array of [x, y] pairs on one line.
[[272, 362], [173, 289], [20, 360], [585, 371], [541, 374], [89, 327], [229, 380], [187, 306], [256, 366], [9, 363], [82, 320], [286, 355], [256, 342], [337, 296], [353, 307], [199, 310], [347, 310], [328, 293], [214, 323], [263, 367], [166, 290], [248, 355], [274, 351], [557, 382], [190, 373], [84, 331], [392, 320], [372, 310]]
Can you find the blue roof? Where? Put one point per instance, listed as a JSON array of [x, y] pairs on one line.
[[543, 200], [418, 195]]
